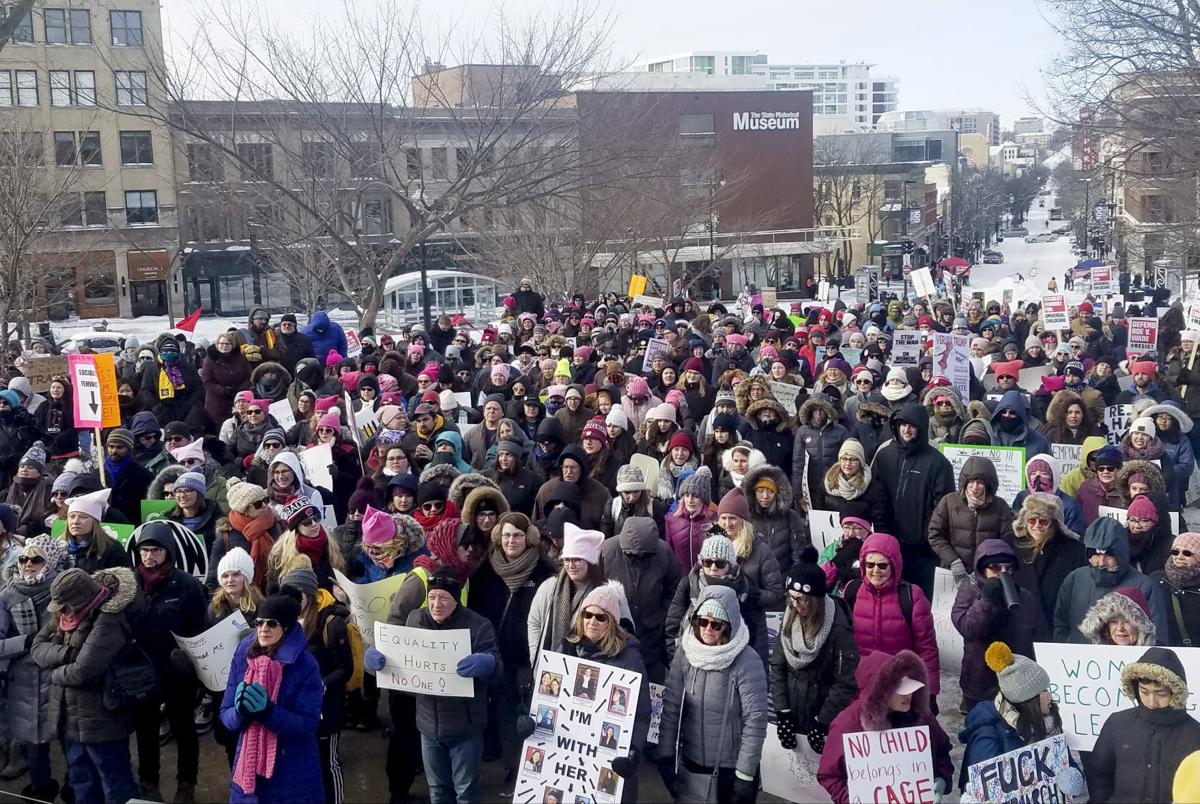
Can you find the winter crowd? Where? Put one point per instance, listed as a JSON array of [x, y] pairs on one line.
[[544, 484]]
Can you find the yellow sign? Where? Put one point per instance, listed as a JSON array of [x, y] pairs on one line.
[[110, 406], [637, 285]]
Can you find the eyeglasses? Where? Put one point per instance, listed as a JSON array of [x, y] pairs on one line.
[[266, 622], [714, 625], [38, 560], [1040, 521], [1106, 468], [719, 563], [1133, 520], [281, 473], [308, 522], [151, 438], [433, 507], [181, 492], [598, 616], [879, 565], [1175, 551]]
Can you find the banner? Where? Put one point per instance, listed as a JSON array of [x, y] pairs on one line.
[[949, 641], [369, 602], [889, 765], [1026, 774], [952, 359], [1143, 336], [791, 775], [1009, 463], [1118, 419], [212, 652], [1085, 681], [40, 370], [825, 528], [584, 715], [283, 414], [1054, 312], [906, 348], [155, 509], [785, 394], [423, 661]]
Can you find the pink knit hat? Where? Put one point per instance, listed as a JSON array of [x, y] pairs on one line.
[[637, 386], [325, 404], [330, 420], [430, 372], [1187, 541], [610, 597], [378, 527], [735, 338], [580, 543], [332, 358], [1143, 508]]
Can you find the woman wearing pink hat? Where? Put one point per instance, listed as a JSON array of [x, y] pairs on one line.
[[390, 545], [558, 599]]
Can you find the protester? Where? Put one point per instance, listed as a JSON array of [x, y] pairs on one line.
[[1048, 551], [1180, 586]]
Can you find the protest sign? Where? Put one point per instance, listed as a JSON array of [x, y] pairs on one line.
[[40, 370], [952, 359], [120, 533], [369, 602], [422, 661], [825, 527], [889, 765], [1193, 490], [922, 282], [785, 394], [980, 365], [852, 356], [1054, 312], [110, 404], [823, 290], [656, 703], [1085, 681], [155, 509], [463, 398], [649, 468], [637, 286], [647, 301], [1030, 378], [283, 414], [949, 641], [86, 387], [353, 344], [1193, 312], [367, 424], [906, 348], [1143, 336], [583, 713], [1026, 774], [1009, 463], [1118, 419], [1122, 516], [1069, 456], [1104, 282], [316, 462], [655, 347], [770, 298], [791, 775], [212, 652]]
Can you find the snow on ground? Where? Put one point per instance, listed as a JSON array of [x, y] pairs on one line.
[[147, 327]]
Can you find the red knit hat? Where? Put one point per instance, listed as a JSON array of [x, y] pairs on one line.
[[1136, 595], [595, 429], [1144, 367], [694, 364], [734, 502], [681, 439], [1143, 508]]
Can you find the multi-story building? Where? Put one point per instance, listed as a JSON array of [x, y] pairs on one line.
[[839, 89], [76, 82], [965, 121], [1028, 125]]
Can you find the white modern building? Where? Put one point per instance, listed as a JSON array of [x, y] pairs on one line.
[[843, 90], [1028, 125], [964, 121]]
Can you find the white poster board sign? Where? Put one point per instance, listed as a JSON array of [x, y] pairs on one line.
[[649, 468], [1143, 335], [906, 348], [1026, 774], [952, 359], [655, 347], [1009, 463], [923, 282], [283, 414], [889, 765], [791, 775], [647, 301], [949, 641], [316, 462], [1193, 312], [369, 602], [353, 344], [785, 394], [1118, 419], [584, 716], [1054, 312], [1085, 680], [825, 527], [212, 652], [1068, 456], [422, 661]]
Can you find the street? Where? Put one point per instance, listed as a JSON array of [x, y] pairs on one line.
[[1036, 262]]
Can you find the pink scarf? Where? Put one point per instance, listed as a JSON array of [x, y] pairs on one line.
[[257, 757]]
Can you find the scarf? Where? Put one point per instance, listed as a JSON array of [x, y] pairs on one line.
[[1183, 577], [973, 502], [282, 494], [1008, 713], [1152, 452], [443, 549], [32, 499], [259, 744], [314, 548], [114, 469], [170, 379], [567, 600], [893, 394], [152, 579], [35, 595], [845, 487], [713, 657], [514, 572], [796, 649], [69, 622], [257, 531]]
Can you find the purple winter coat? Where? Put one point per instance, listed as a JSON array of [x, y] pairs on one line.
[[1091, 496], [685, 534]]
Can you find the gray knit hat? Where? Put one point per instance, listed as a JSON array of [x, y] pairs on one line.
[[1021, 679], [719, 548], [301, 579], [35, 456], [629, 478], [725, 397], [698, 483]]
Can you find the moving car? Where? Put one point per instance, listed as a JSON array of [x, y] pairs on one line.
[[993, 257], [1044, 237]]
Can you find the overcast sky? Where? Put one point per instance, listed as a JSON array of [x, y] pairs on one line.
[[945, 53]]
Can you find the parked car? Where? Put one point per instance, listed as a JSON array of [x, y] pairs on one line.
[[98, 342], [1044, 237], [993, 257], [1016, 231]]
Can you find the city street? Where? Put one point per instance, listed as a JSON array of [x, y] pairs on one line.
[[1036, 262]]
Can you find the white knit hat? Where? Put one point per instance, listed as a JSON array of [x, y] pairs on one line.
[[91, 504], [1144, 425], [236, 560], [663, 410], [616, 416]]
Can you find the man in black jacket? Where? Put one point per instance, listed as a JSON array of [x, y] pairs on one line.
[[127, 478], [294, 344], [527, 300], [916, 477], [174, 605]]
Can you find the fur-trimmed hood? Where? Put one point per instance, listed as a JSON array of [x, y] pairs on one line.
[[877, 675], [752, 411], [1173, 410], [867, 408], [122, 588], [741, 392], [1154, 478], [813, 403], [978, 410], [1161, 665], [1091, 400], [1116, 605], [168, 474], [757, 459], [981, 468], [439, 473], [1044, 506], [947, 391], [270, 365], [476, 497], [783, 497], [462, 486]]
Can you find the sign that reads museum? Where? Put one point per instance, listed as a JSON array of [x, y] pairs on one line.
[[766, 121]]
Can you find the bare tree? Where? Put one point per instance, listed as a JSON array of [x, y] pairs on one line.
[[848, 189], [11, 19]]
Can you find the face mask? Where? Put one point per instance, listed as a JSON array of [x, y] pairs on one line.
[[170, 357]]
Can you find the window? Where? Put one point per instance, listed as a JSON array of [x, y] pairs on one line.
[[23, 33], [438, 165], [697, 125], [377, 216], [89, 149], [85, 88], [56, 26], [131, 88], [203, 164], [6, 88], [27, 88], [70, 210], [81, 26], [126, 28], [318, 159], [364, 160], [137, 148], [1159, 209], [28, 147], [412, 162], [60, 87], [256, 161], [95, 211], [100, 285], [68, 26], [141, 206], [64, 148]]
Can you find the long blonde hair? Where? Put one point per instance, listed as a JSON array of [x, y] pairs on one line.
[[223, 604], [743, 540], [284, 554], [610, 645]]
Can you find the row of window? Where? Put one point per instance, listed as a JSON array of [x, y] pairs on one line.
[[90, 208], [72, 148], [73, 26], [69, 88]]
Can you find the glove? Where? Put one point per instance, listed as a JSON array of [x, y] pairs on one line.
[[181, 665], [785, 725], [373, 660], [477, 665], [993, 591], [239, 694], [816, 736], [525, 726], [939, 790], [745, 791], [254, 699], [666, 769], [1070, 783], [626, 767], [961, 576]]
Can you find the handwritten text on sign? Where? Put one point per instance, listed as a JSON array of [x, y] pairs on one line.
[[212, 652], [1026, 774], [423, 661], [889, 765]]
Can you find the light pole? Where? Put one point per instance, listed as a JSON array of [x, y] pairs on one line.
[[418, 198], [906, 260], [1087, 206]]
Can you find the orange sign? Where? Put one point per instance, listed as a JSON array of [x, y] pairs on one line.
[[110, 406], [637, 285]]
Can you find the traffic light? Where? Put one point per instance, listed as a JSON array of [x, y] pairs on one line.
[[907, 247]]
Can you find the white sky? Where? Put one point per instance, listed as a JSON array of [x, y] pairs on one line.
[[946, 53]]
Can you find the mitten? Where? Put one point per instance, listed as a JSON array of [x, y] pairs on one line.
[[373, 660], [939, 791], [477, 665], [525, 726], [961, 576], [625, 767], [745, 791], [786, 727], [254, 699], [816, 736]]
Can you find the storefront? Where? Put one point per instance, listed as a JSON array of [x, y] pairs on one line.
[[148, 272]]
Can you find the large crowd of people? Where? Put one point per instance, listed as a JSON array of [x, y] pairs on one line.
[[542, 483]]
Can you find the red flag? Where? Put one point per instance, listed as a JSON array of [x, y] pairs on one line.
[[189, 324]]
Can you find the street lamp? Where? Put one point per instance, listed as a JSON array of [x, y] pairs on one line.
[[1087, 206], [418, 198]]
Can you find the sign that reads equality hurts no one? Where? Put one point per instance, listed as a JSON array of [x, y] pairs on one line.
[[889, 765], [422, 661]]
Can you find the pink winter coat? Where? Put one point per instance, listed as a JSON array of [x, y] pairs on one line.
[[879, 623], [685, 534]]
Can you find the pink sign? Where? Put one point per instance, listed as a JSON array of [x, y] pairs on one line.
[[85, 383]]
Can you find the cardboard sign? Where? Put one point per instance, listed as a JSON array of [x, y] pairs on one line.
[[86, 386], [422, 661], [110, 406], [1026, 774], [1009, 463], [785, 394], [637, 286], [1104, 281], [825, 527], [584, 714], [889, 765], [369, 602], [1193, 312], [655, 302], [316, 462], [353, 344], [952, 359], [770, 298], [1054, 312], [949, 640], [212, 652], [791, 775], [40, 370], [906, 348], [1143, 335], [283, 414], [1085, 681], [116, 531], [923, 282], [1122, 516], [155, 509], [1118, 419]]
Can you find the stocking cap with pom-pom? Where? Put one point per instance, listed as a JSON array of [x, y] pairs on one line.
[[1021, 679]]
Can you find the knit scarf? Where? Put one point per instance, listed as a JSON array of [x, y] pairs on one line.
[[796, 649], [973, 502], [259, 744], [893, 393], [1183, 577], [443, 548], [257, 531], [33, 500], [34, 597], [567, 599], [846, 487], [282, 494], [713, 657], [152, 579], [170, 379], [1151, 452], [69, 622], [516, 571], [114, 469], [314, 548]]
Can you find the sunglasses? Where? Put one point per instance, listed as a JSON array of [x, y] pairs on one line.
[[192, 462], [862, 382], [266, 622], [308, 522], [715, 625], [272, 445], [879, 565], [433, 507], [324, 430], [37, 560], [258, 504], [719, 563], [150, 439], [1040, 521], [1175, 551], [599, 617], [1106, 468], [254, 412]]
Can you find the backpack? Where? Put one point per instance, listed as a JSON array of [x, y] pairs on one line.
[[903, 591], [357, 649]]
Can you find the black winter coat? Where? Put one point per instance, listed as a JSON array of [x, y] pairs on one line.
[[872, 505], [508, 612], [916, 477], [330, 646], [128, 492], [1044, 576], [1137, 753], [1188, 618], [820, 690], [176, 409], [518, 487], [979, 614], [177, 606], [18, 431]]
